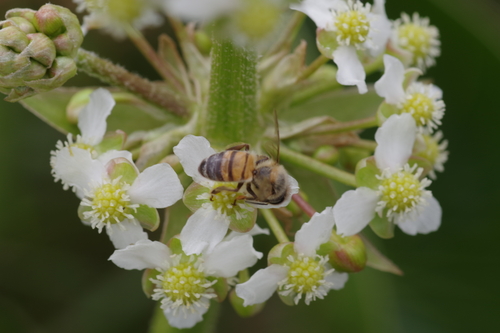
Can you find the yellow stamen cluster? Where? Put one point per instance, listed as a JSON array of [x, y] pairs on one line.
[[402, 191], [184, 284], [352, 26], [418, 39], [420, 106], [305, 275], [227, 202], [110, 204], [432, 150]]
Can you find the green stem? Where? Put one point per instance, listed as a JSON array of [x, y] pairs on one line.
[[275, 226], [347, 126], [313, 67], [149, 53], [366, 144], [315, 166], [231, 114], [114, 75]]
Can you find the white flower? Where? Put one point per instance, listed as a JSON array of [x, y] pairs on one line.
[[423, 101], [302, 273], [429, 147], [92, 125], [200, 10], [209, 224], [400, 194], [354, 26], [415, 36], [184, 283], [112, 201], [115, 15]]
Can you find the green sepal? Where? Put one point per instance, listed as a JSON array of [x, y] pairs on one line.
[[326, 42], [386, 110], [279, 253], [382, 227], [147, 285], [123, 168], [244, 311], [288, 300], [411, 75], [148, 217], [111, 141], [77, 103], [366, 173], [81, 210], [190, 197], [349, 157], [244, 224], [376, 260], [221, 288], [175, 245]]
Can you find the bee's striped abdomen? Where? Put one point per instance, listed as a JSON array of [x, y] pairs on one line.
[[228, 166]]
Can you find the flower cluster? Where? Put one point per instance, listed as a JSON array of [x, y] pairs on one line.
[[165, 142]]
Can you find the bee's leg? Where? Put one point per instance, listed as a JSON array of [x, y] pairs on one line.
[[243, 146], [229, 189], [251, 192]]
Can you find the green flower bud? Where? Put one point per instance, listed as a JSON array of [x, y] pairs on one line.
[[326, 154], [346, 254], [37, 50]]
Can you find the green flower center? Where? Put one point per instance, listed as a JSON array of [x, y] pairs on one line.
[[352, 27], [184, 284], [420, 106], [109, 204], [401, 191], [417, 39], [257, 18], [305, 275]]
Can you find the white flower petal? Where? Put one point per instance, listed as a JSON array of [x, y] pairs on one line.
[[112, 154], [191, 150], [350, 70], [380, 28], [121, 238], [75, 167], [395, 139], [261, 285], [320, 11], [338, 279], [390, 85], [230, 257], [427, 221], [203, 231], [314, 233], [354, 210], [187, 318], [143, 254], [92, 119], [158, 186], [256, 230]]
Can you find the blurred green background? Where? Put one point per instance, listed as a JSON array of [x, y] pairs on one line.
[[54, 273]]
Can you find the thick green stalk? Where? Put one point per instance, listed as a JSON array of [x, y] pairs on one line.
[[231, 114], [316, 166], [114, 75]]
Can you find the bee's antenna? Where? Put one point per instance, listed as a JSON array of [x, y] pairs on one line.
[[277, 129]]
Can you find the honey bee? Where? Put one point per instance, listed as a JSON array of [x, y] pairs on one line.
[[266, 181]]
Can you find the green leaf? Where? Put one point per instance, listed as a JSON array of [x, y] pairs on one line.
[[343, 105], [382, 227], [232, 105], [377, 260], [129, 115], [148, 217]]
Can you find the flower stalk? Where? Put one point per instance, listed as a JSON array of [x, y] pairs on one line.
[[275, 226], [106, 71], [315, 166]]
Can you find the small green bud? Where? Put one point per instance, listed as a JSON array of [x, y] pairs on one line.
[[203, 42], [346, 254], [21, 24], [41, 49], [14, 38], [350, 156], [326, 154], [48, 21]]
